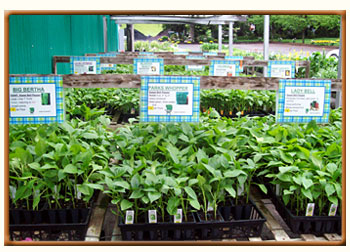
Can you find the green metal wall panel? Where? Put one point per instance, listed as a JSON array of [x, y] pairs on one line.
[[34, 39]]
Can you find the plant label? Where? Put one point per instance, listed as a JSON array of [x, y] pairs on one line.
[[169, 99], [148, 66], [310, 209], [278, 189], [178, 216], [210, 206], [195, 67], [36, 100], [129, 217], [224, 68], [84, 67], [13, 192], [133, 111], [332, 210], [281, 69], [152, 216], [107, 66], [302, 101], [240, 190]]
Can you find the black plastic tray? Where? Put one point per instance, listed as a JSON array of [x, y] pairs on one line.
[[158, 231], [316, 225]]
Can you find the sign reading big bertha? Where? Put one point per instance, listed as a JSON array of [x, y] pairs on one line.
[[169, 99], [36, 100]]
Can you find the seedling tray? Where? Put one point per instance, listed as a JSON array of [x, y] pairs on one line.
[[46, 225], [233, 227], [316, 225], [158, 231]]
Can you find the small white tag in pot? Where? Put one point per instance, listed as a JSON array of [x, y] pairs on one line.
[[129, 217], [210, 206], [332, 210], [13, 192], [152, 216], [240, 190], [55, 192], [278, 189], [178, 216], [310, 209], [133, 111]]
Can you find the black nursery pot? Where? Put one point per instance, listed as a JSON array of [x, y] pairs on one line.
[[74, 213], [238, 209], [247, 211], [210, 229], [225, 212], [62, 215], [139, 235], [52, 216], [38, 216], [27, 217], [15, 216]]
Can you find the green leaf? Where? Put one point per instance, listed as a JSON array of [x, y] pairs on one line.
[[173, 151], [316, 160], [153, 196], [195, 204], [40, 148], [71, 169], [172, 205], [230, 190], [89, 135], [84, 189], [306, 182], [94, 186], [285, 157], [122, 184], [307, 193], [210, 169], [136, 194], [262, 188], [305, 152], [135, 181], [331, 167], [35, 166], [285, 169], [200, 155], [190, 192], [333, 199], [329, 189], [125, 204]]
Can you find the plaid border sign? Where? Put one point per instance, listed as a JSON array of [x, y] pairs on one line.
[[146, 80], [60, 114], [160, 61], [280, 97], [85, 58], [228, 62], [280, 62]]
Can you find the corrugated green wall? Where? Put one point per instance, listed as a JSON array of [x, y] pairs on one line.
[[34, 39]]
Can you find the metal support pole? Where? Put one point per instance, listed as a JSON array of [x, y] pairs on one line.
[[266, 40], [105, 34], [338, 94], [230, 38], [220, 37], [132, 37]]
